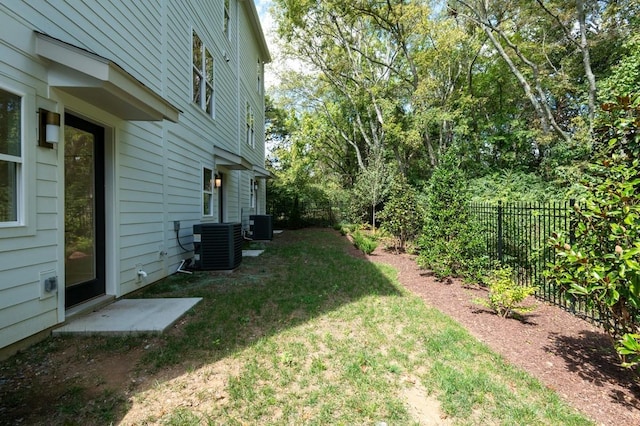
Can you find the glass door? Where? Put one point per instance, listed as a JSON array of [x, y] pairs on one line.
[[84, 210]]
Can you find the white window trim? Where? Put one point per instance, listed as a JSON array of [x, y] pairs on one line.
[[226, 19], [252, 182], [250, 136], [206, 81], [259, 68], [25, 177], [205, 192]]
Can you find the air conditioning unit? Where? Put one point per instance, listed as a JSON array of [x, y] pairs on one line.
[[217, 246], [261, 227]]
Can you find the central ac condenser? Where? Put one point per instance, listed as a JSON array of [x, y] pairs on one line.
[[261, 227], [217, 246]]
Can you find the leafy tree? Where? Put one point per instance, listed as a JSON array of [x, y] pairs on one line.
[[371, 188], [602, 266]]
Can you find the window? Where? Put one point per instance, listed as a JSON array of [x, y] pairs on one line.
[[259, 73], [10, 156], [250, 136], [203, 94], [254, 190], [207, 192], [225, 25]]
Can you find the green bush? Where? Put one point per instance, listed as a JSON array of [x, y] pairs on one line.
[[602, 266], [401, 215], [450, 243], [364, 243], [505, 295]]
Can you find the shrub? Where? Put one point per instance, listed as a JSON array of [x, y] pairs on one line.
[[364, 243], [602, 266], [505, 295], [401, 215], [450, 244]]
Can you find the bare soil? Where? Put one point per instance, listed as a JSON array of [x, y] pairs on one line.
[[564, 352]]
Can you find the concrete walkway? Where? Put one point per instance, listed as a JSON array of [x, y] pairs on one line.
[[130, 316]]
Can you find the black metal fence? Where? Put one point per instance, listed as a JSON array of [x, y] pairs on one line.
[[297, 214], [517, 235]]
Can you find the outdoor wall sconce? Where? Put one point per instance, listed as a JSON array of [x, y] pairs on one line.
[[217, 182], [255, 185], [48, 128]]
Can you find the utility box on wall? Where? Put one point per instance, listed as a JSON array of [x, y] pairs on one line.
[[261, 227], [217, 246]]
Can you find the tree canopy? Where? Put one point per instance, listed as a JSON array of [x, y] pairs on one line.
[[515, 84]]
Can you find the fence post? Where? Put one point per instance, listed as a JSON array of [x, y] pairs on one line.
[[572, 221], [500, 231]]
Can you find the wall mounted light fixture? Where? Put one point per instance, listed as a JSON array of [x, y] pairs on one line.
[[48, 128], [217, 182]]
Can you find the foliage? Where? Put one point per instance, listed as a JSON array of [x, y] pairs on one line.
[[402, 213], [364, 243], [602, 266], [370, 189], [449, 245], [511, 186], [625, 76], [505, 295]]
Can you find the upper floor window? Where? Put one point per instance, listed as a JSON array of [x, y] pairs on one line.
[[207, 192], [10, 156], [203, 94], [259, 73], [251, 134], [225, 24]]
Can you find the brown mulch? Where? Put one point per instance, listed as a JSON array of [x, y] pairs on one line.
[[564, 352]]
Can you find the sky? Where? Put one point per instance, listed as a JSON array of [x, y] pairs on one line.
[[268, 25]]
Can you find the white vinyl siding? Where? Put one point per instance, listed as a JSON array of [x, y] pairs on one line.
[[154, 169]]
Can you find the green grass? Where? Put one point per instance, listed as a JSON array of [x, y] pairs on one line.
[[324, 338], [306, 334]]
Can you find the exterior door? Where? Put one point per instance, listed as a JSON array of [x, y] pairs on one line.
[[84, 210]]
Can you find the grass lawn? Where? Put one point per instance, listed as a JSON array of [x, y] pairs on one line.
[[310, 335], [304, 334]]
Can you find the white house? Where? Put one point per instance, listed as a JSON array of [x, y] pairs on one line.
[[117, 119]]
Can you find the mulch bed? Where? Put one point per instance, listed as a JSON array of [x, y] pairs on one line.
[[564, 352]]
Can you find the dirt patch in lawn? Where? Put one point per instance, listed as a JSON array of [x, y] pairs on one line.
[[564, 352]]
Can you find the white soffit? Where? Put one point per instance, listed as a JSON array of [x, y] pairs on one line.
[[230, 160], [262, 173], [101, 82]]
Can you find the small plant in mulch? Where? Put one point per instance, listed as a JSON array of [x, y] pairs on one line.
[[363, 242], [506, 297]]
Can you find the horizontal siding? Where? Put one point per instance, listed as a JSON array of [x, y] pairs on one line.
[[22, 292], [28, 327], [125, 32], [156, 167]]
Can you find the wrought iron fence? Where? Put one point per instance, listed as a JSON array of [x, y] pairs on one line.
[[296, 214], [517, 235]]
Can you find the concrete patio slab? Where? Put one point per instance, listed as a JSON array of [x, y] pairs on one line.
[[252, 253], [130, 316]]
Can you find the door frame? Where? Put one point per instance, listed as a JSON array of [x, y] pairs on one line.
[[97, 287]]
